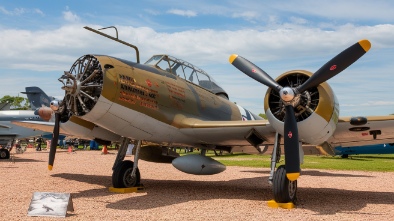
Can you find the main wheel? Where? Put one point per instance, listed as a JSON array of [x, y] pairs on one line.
[[121, 177], [4, 154], [284, 190]]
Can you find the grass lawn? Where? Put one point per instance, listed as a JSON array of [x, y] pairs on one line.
[[377, 162]]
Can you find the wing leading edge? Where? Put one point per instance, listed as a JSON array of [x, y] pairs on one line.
[[229, 133]]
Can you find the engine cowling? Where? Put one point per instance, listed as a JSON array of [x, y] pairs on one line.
[[78, 127], [316, 110], [92, 85]]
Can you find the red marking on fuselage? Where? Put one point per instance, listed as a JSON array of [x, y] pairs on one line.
[[149, 83]]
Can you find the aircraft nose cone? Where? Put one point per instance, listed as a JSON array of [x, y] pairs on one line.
[[54, 105], [287, 94]]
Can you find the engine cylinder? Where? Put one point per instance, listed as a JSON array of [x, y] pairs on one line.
[[316, 111], [82, 85]]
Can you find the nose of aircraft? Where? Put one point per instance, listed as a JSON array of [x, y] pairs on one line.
[[45, 113]]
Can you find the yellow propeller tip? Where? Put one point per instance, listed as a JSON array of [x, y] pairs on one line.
[[365, 44], [50, 167], [232, 58], [292, 176]]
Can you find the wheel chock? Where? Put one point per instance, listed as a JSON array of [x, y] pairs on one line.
[[126, 190], [273, 204]]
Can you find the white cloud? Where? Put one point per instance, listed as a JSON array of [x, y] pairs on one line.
[[298, 20], [38, 11], [152, 12], [5, 11], [186, 13], [205, 45], [275, 50], [338, 9], [371, 103], [247, 15], [20, 11], [70, 17]]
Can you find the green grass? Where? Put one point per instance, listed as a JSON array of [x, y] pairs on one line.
[[376, 162]]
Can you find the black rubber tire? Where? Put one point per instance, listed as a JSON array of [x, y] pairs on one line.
[[4, 154], [121, 175], [285, 191]]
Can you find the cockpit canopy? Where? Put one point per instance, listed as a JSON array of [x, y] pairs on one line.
[[186, 71]]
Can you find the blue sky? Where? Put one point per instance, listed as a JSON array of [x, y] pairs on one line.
[[41, 39]]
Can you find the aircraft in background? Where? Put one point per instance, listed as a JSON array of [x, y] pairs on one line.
[[344, 152], [5, 106], [37, 97], [173, 103], [41, 116], [10, 132]]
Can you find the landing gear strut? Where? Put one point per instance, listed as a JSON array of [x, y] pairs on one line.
[[125, 172]]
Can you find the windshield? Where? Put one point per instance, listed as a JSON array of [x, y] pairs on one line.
[[186, 71]]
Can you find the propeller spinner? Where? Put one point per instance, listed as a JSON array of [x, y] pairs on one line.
[[290, 95]]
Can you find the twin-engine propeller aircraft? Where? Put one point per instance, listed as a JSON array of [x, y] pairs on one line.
[[171, 102]]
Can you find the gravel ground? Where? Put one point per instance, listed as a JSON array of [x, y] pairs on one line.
[[239, 193]]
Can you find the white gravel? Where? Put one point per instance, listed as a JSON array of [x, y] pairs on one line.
[[239, 193]]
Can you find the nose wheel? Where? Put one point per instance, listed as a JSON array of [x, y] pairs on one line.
[[284, 190]]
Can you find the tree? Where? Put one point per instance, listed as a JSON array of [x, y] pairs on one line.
[[17, 103], [263, 116]]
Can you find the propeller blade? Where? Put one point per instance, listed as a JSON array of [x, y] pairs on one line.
[[254, 72], [337, 64], [54, 141], [292, 157]]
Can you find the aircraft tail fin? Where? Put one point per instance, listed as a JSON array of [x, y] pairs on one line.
[[37, 97]]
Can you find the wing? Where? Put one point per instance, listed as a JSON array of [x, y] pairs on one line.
[[229, 133], [4, 126], [74, 127], [377, 130], [37, 125]]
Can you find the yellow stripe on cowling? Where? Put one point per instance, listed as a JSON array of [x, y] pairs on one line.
[[232, 58], [292, 176], [50, 167], [365, 44]]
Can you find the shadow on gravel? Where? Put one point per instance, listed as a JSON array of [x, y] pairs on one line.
[[20, 160], [104, 181], [313, 173], [161, 193], [91, 179], [320, 173], [168, 192], [332, 201]]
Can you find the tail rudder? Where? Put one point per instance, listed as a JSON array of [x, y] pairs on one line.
[[37, 97]]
